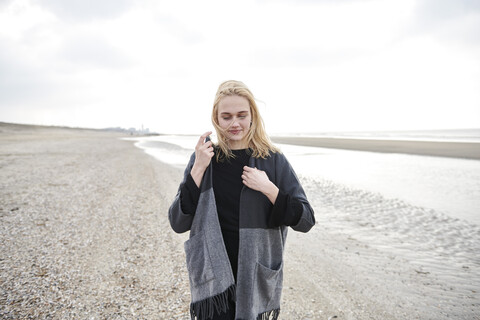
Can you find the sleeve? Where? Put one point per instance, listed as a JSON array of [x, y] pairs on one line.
[[181, 221], [297, 212], [286, 211], [189, 195]]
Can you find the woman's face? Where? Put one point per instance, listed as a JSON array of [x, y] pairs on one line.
[[234, 118]]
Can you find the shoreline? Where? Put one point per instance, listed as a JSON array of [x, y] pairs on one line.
[[464, 150]]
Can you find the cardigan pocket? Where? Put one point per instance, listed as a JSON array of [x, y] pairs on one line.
[[268, 285], [199, 264]]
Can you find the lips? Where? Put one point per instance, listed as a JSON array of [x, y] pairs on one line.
[[234, 132]]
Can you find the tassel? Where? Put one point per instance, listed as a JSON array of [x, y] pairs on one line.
[[266, 315], [204, 309]]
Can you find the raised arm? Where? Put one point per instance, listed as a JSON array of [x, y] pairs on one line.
[[180, 213], [203, 156]]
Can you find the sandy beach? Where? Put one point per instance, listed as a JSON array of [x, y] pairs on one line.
[[84, 234]]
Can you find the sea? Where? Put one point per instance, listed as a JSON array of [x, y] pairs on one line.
[[423, 208]]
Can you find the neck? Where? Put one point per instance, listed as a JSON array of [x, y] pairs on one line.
[[237, 145]]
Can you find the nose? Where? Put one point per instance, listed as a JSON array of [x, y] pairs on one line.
[[234, 122]]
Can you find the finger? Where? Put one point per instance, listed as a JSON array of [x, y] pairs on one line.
[[205, 135], [208, 144], [247, 169], [202, 138], [247, 174], [209, 149]]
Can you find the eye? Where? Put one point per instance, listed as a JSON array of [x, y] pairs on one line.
[[226, 118], [242, 117]]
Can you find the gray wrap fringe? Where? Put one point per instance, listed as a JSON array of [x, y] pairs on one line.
[[266, 315], [204, 309]]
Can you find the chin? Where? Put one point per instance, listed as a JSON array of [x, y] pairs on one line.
[[236, 137]]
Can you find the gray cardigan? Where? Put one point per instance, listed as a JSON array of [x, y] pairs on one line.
[[260, 257]]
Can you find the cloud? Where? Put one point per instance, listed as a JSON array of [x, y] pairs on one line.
[[452, 20], [5, 3], [82, 10], [123, 63], [432, 12], [311, 2], [90, 50], [21, 79], [303, 57], [183, 32]]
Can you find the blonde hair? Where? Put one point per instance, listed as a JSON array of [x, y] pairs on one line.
[[256, 137]]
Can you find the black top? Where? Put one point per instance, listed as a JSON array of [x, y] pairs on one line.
[[227, 187]]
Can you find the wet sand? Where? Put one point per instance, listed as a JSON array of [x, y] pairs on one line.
[[84, 234], [467, 150]]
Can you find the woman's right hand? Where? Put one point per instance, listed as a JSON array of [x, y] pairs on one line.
[[203, 156]]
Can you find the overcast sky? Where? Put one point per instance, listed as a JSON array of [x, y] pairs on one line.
[[314, 66]]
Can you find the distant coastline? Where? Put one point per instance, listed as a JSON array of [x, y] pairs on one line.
[[451, 135], [466, 150], [8, 126]]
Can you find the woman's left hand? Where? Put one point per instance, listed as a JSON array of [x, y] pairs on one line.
[[258, 180]]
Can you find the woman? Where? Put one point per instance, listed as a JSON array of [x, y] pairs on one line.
[[237, 199]]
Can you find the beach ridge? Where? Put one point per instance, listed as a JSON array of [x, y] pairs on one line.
[[466, 150]]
